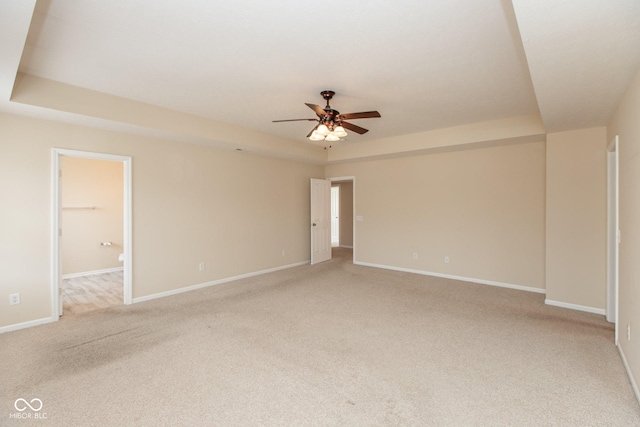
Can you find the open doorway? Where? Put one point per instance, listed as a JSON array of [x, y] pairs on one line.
[[92, 225], [335, 215], [91, 231], [345, 208]]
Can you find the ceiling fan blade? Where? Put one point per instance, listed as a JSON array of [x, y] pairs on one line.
[[295, 120], [363, 115], [318, 109], [356, 129], [312, 130]]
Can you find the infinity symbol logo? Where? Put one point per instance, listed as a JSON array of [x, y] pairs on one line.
[[23, 402]]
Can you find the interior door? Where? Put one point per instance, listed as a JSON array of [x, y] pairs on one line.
[[320, 220]]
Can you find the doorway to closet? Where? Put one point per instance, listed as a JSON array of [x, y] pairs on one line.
[[342, 212], [92, 231]]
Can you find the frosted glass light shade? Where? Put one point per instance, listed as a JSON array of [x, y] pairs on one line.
[[315, 136], [323, 130], [340, 132], [332, 137]]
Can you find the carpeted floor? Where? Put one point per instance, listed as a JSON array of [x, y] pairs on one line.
[[330, 344]]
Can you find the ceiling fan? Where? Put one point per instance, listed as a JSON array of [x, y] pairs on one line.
[[331, 124]]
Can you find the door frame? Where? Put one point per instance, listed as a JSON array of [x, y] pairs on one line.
[[613, 232], [353, 182], [56, 225]]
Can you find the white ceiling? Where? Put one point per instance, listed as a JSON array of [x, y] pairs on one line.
[[582, 56], [423, 65]]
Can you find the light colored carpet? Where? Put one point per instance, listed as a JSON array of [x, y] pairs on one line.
[[330, 344]]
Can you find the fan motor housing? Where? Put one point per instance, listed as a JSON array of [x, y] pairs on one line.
[[330, 118]]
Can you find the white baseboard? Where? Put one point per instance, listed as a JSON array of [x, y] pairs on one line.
[[634, 385], [29, 324], [448, 276], [575, 307], [215, 282], [92, 273]]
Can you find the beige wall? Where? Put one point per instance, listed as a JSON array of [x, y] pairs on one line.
[[346, 212], [505, 131], [87, 183], [577, 217], [235, 211], [484, 208], [626, 124], [175, 125]]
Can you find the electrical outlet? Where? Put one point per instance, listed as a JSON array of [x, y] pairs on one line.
[[14, 299], [415, 255], [628, 332], [284, 253], [201, 266], [446, 259]]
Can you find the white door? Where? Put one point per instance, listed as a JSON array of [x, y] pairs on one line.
[[335, 216], [613, 234], [320, 220]]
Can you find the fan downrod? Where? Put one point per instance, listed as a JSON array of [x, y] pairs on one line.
[[327, 95]]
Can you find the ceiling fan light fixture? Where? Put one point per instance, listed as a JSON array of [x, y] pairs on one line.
[[340, 132], [332, 137], [315, 136], [323, 130], [330, 123]]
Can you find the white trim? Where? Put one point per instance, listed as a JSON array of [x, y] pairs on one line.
[[29, 324], [56, 260], [92, 273], [56, 269], [215, 282], [449, 276], [127, 218], [632, 380], [613, 233], [575, 306]]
